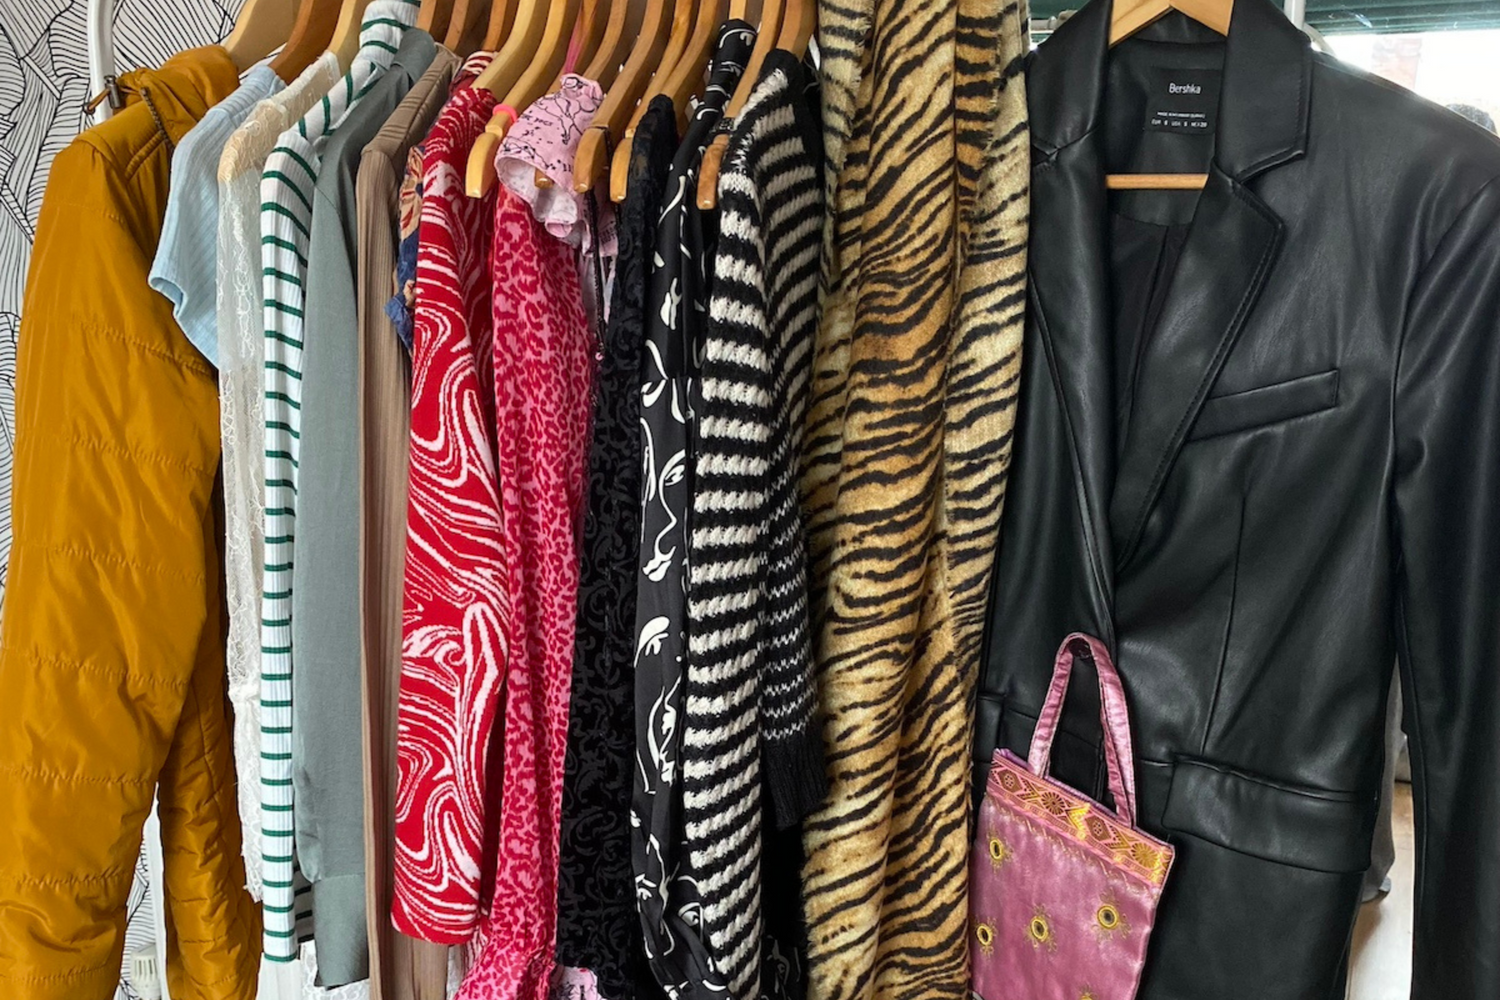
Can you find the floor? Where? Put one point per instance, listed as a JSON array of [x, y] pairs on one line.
[[1382, 936]]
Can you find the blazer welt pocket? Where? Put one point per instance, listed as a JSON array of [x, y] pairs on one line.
[[1310, 828], [1266, 404]]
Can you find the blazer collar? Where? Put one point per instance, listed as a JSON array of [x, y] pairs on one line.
[[1230, 248], [1263, 102], [414, 55]]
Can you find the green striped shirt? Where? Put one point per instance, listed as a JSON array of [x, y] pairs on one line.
[[286, 191]]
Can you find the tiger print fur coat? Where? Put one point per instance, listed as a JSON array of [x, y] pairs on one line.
[[907, 446]]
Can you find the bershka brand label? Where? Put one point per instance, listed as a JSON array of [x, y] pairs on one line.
[[1185, 101]]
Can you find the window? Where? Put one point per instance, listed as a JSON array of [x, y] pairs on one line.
[[1459, 69], [1376, 16]]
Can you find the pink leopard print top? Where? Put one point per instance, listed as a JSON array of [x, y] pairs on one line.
[[544, 361]]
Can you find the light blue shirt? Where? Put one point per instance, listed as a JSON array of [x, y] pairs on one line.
[[186, 264]]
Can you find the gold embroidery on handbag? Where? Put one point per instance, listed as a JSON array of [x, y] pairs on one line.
[[1063, 890], [1110, 922], [985, 934], [1076, 816], [1039, 929]]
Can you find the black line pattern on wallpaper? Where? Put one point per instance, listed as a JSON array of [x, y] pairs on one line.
[[44, 75]]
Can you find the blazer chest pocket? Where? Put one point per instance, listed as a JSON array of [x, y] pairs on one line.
[[1266, 404]]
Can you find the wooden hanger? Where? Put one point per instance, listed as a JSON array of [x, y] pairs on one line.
[[623, 28], [1131, 16], [547, 63], [467, 25], [798, 25], [262, 27], [658, 24], [595, 20], [433, 16], [684, 17], [688, 73], [537, 64], [310, 36], [503, 17], [772, 17], [521, 42], [345, 41]]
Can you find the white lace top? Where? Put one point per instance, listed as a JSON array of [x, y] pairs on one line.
[[241, 421]]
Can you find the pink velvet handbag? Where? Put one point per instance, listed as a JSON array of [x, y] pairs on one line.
[[1063, 892]]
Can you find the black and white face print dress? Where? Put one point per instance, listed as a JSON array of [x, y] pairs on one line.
[[666, 893]]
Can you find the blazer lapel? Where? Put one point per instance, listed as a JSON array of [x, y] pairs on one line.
[[1231, 247], [1230, 250], [1069, 291], [1069, 283]]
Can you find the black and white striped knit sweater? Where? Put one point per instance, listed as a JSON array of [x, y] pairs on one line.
[[749, 709]]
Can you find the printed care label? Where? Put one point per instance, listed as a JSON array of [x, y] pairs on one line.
[[1183, 100]]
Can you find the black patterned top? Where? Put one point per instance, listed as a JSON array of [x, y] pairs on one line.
[[597, 925], [750, 746], [676, 944]]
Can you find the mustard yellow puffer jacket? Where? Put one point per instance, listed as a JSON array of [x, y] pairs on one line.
[[111, 645]]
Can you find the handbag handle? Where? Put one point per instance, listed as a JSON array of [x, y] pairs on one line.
[[1119, 758]]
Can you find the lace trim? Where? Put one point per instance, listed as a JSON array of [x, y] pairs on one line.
[[240, 422]]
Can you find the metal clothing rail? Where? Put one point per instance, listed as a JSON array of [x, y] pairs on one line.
[[101, 37]]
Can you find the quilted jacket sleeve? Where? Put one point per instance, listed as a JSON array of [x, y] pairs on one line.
[[111, 657], [1447, 426]]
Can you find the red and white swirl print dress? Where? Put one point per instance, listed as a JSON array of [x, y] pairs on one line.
[[455, 618]]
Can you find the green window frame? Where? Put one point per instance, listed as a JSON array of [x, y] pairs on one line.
[[1375, 16]]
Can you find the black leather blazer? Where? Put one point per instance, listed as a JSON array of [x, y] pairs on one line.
[[1307, 490]]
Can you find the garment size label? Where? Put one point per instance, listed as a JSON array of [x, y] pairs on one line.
[[1183, 100]]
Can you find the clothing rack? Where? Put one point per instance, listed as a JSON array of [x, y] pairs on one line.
[[101, 38], [102, 51], [101, 61]]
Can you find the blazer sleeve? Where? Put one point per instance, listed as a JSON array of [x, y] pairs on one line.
[[1447, 525]]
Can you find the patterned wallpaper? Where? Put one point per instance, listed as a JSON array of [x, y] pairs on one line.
[[44, 77]]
